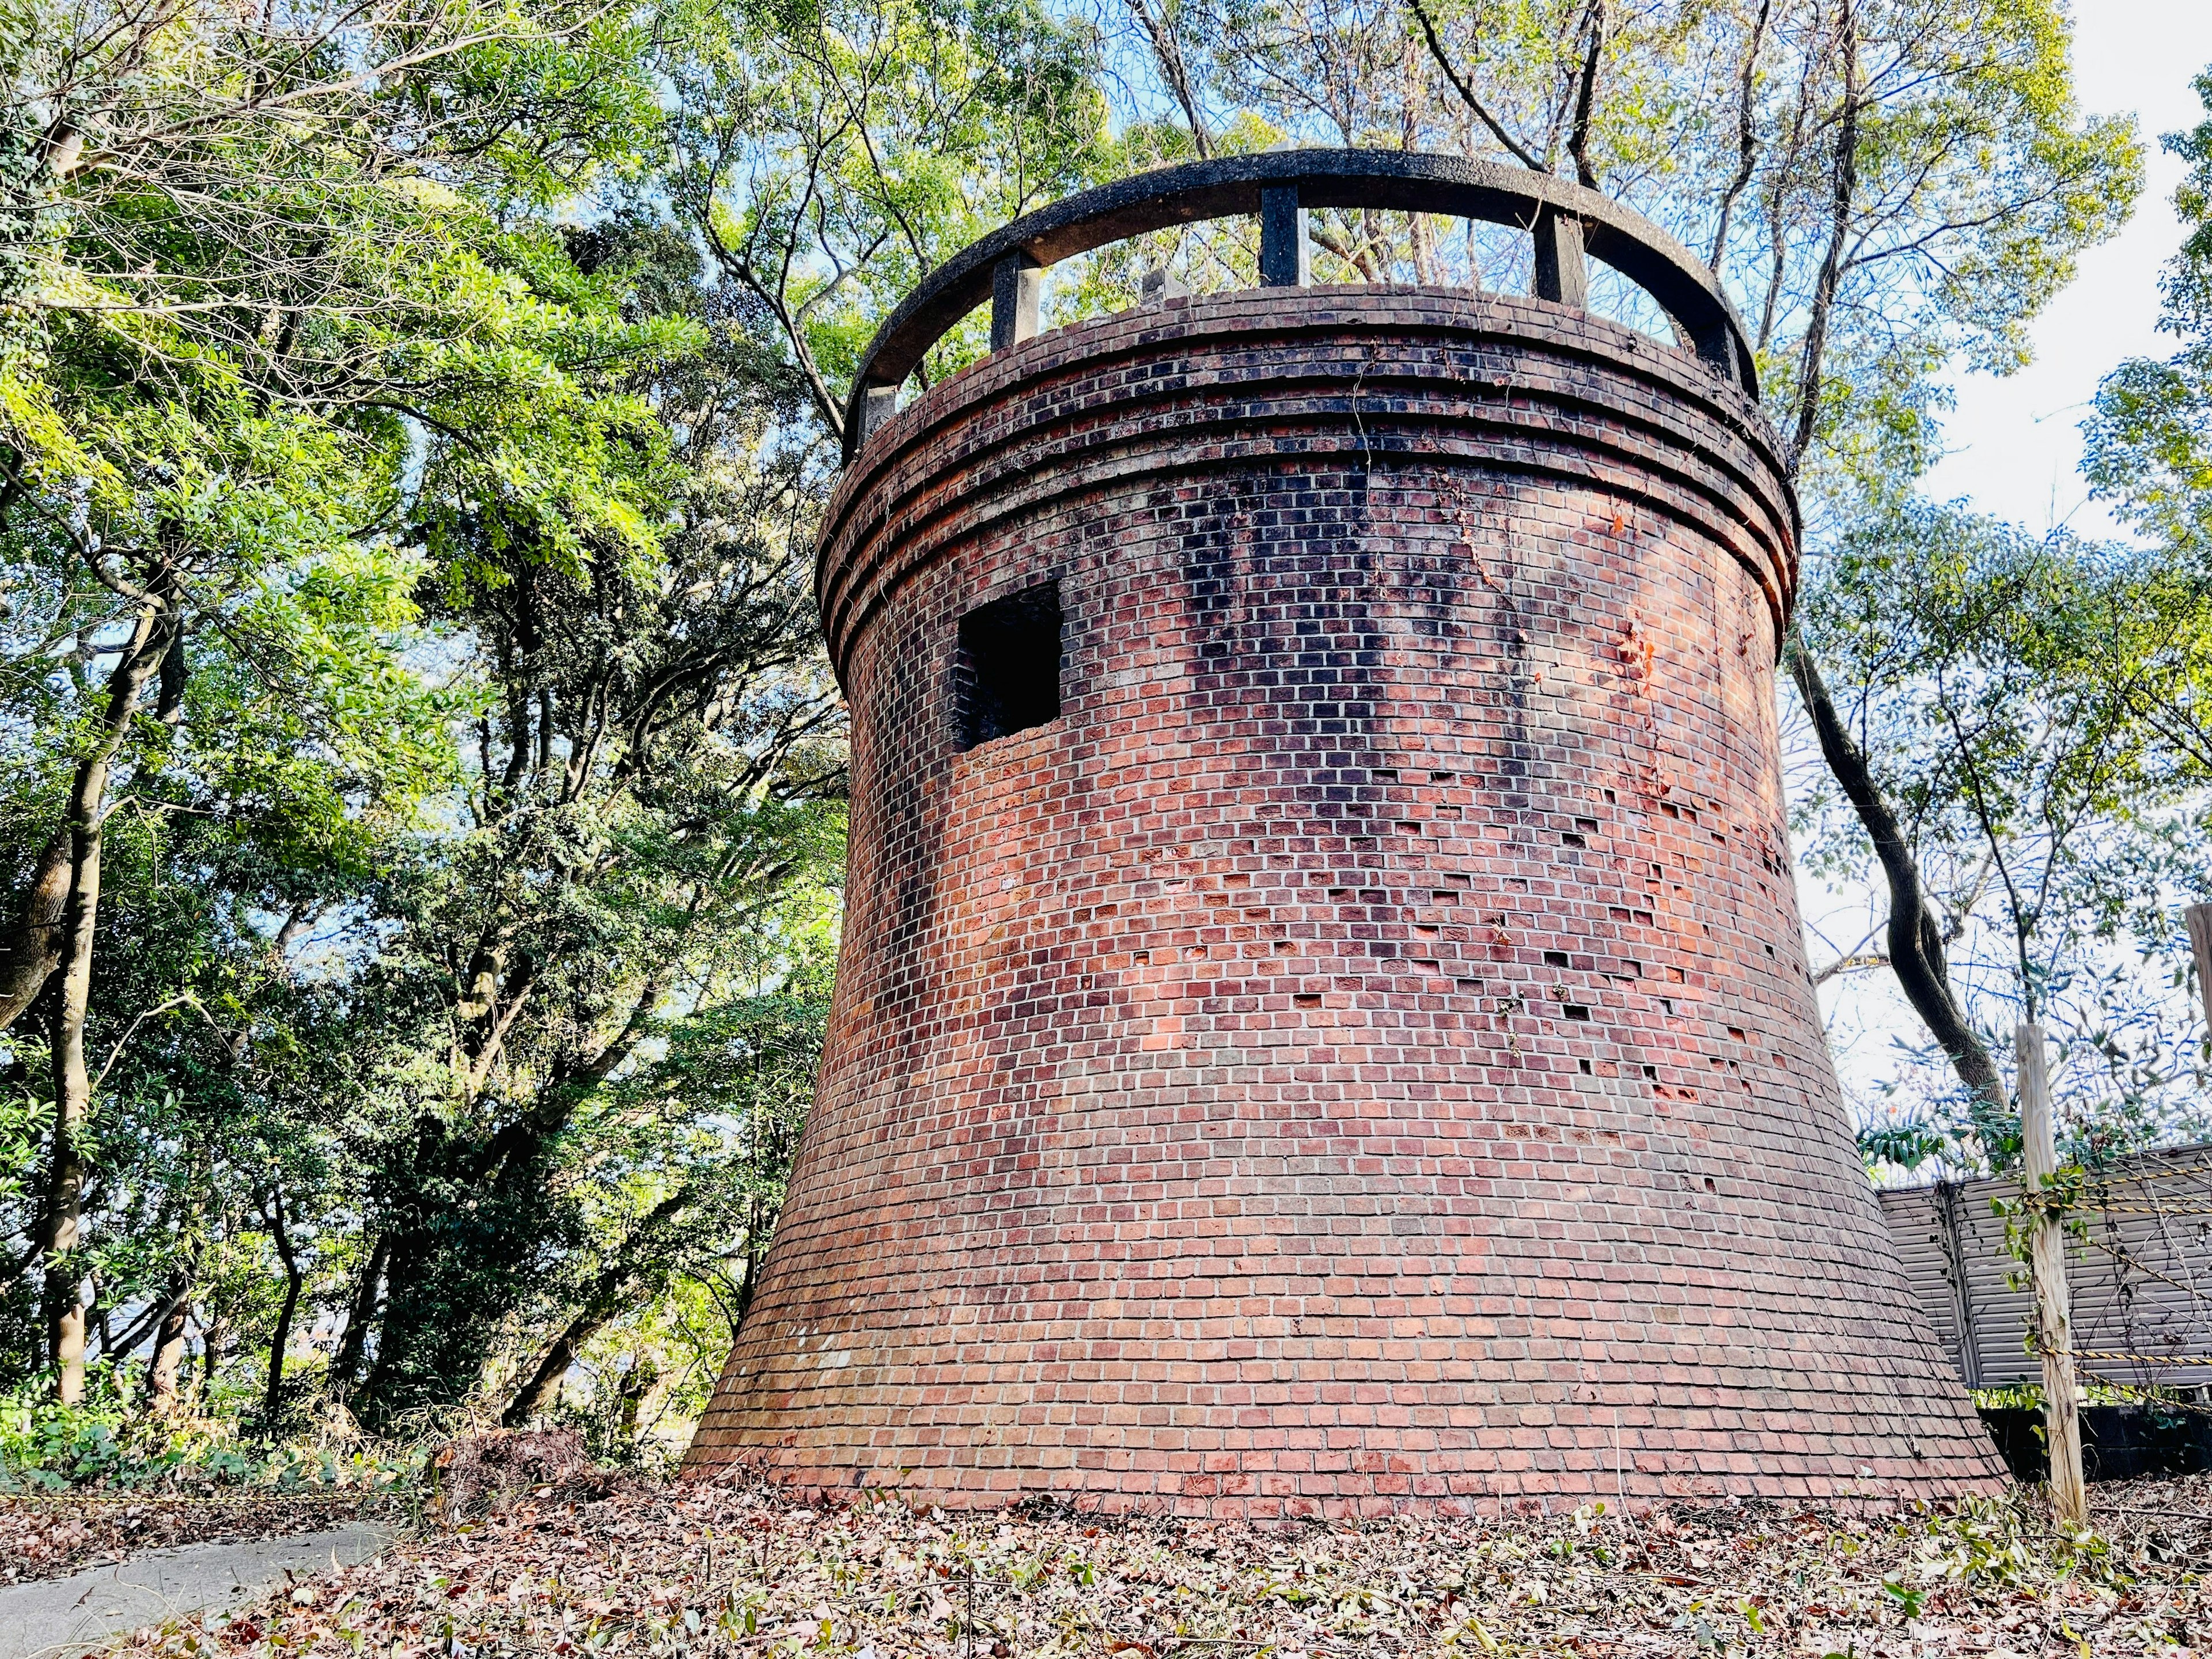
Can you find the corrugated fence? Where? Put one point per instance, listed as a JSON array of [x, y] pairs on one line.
[[2140, 1274]]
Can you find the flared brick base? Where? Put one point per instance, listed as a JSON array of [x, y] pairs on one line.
[[1361, 1051]]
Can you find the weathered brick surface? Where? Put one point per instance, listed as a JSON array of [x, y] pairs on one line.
[[1361, 1052]]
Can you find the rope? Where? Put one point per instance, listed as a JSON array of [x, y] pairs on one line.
[[2150, 1397], [2118, 1255], [2190, 1362], [2098, 1179]]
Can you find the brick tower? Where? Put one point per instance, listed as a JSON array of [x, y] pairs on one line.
[[1322, 1021]]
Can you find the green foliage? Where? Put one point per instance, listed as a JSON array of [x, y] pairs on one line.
[[494, 693], [2150, 442], [2011, 694], [829, 155], [107, 1442]]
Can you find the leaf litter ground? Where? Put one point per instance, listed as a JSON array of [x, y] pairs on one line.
[[705, 1568]]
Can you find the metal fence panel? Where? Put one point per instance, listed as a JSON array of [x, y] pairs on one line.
[[2140, 1271]]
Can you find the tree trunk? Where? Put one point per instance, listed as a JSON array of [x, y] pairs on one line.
[[1917, 953], [162, 1398], [536, 1397], [1844, 196], [65, 1169], [280, 1339], [353, 1346], [32, 944], [1916, 943], [637, 1386], [213, 1336]]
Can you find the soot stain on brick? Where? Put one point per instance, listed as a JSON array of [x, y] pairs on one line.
[[1055, 1002], [1278, 576], [1288, 596]]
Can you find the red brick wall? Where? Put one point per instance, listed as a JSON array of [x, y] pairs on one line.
[[1362, 1050]]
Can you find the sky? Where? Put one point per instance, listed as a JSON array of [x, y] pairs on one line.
[[2016, 442]]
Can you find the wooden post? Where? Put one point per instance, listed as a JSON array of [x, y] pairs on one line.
[[2200, 945], [2062, 1402]]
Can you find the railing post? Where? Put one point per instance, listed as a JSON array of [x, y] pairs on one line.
[[1284, 259], [877, 404], [1160, 285], [1016, 289], [1562, 271], [1716, 345], [2062, 1401]]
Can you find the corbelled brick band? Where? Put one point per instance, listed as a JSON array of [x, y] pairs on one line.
[[1361, 1051]]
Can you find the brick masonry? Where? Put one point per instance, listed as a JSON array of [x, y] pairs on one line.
[[1360, 1052]]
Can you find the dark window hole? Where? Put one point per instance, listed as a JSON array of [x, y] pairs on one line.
[[1588, 825], [1555, 959], [1006, 676], [1586, 1069], [1572, 840], [1576, 1011]]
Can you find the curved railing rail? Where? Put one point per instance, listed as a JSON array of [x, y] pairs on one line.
[[1566, 221]]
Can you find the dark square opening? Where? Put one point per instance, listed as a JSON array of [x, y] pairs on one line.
[[1007, 675]]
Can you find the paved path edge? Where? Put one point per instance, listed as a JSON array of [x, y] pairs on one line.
[[62, 1618]]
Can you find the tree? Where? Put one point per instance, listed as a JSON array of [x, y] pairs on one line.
[[722, 1108], [2005, 697], [234, 296], [651, 791], [2151, 440], [829, 155]]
